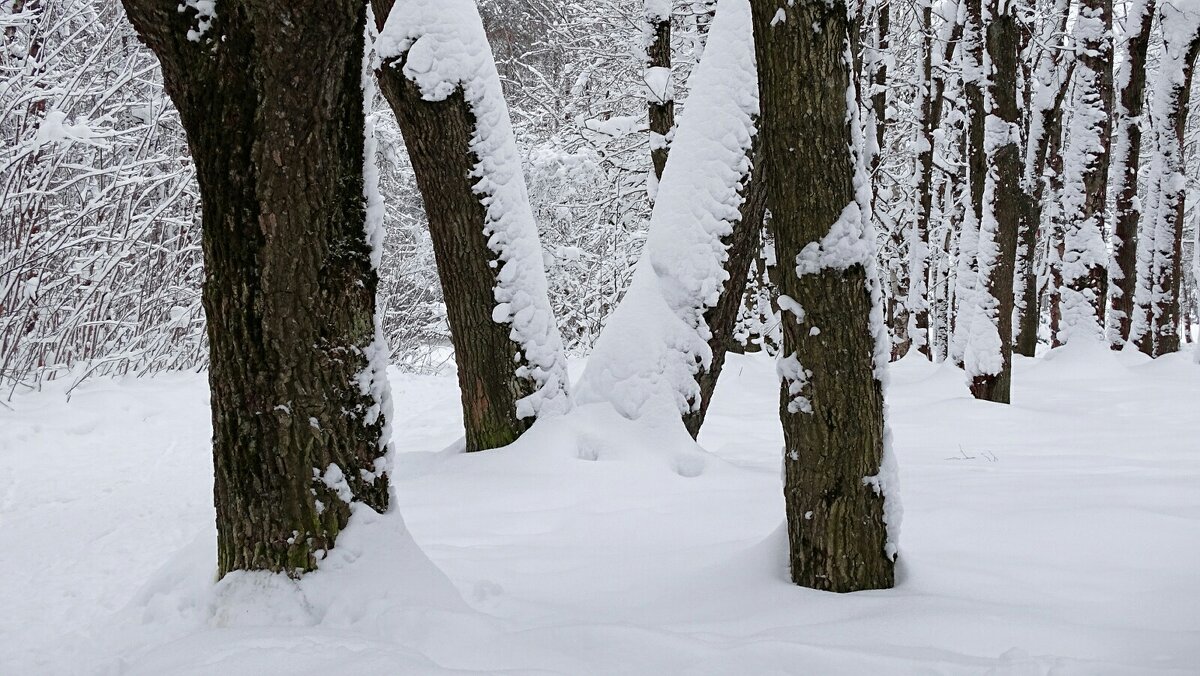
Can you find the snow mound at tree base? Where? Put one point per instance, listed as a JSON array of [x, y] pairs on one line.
[[1057, 535]]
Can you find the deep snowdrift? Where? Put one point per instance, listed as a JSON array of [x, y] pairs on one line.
[[1058, 535]]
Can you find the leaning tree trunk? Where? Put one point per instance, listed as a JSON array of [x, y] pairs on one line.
[[744, 244], [1127, 146], [838, 472], [660, 94], [270, 95], [506, 374], [989, 355], [1085, 257]]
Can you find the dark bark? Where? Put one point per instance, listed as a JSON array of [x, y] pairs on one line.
[[1130, 100], [836, 524], [438, 135], [271, 99], [743, 248], [1003, 45], [662, 112]]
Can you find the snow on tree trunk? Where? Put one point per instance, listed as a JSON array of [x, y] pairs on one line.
[[1156, 329], [1130, 82], [439, 76], [1085, 163], [918, 231], [660, 92], [839, 474], [967, 280], [988, 355], [655, 345], [271, 96], [1047, 91]]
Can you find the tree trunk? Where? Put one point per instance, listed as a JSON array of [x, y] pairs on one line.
[[496, 373], [992, 375], [836, 468], [1085, 258], [1127, 145], [660, 96], [1171, 112], [270, 94], [743, 248]]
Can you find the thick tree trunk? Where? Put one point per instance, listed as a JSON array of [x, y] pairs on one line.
[[831, 403], [660, 95], [438, 136], [993, 381], [270, 94], [743, 248], [1127, 146]]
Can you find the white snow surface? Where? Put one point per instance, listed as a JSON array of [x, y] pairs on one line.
[[446, 50], [656, 340], [1058, 535]]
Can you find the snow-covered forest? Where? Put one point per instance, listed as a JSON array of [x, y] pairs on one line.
[[606, 337]]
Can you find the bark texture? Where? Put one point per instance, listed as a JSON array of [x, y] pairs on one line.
[[834, 436], [271, 98], [1004, 176], [438, 137], [661, 110]]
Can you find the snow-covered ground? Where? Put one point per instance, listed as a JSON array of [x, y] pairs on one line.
[[1059, 535]]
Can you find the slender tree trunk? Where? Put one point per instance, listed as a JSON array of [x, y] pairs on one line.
[[660, 95], [990, 361], [497, 375], [918, 242], [837, 470], [743, 248], [1171, 107], [1085, 258], [1127, 145], [270, 94], [1048, 88]]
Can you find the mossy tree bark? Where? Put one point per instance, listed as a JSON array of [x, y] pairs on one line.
[[270, 95], [831, 404]]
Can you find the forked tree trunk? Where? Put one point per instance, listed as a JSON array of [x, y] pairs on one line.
[[831, 402], [270, 95], [1127, 146]]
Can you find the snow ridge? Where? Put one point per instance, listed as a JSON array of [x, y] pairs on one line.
[[656, 340], [445, 49]]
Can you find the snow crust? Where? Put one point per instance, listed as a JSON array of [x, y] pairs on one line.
[[655, 341], [445, 50]]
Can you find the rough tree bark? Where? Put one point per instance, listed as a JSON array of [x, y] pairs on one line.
[[270, 95], [992, 379], [1127, 146], [660, 96], [831, 402]]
